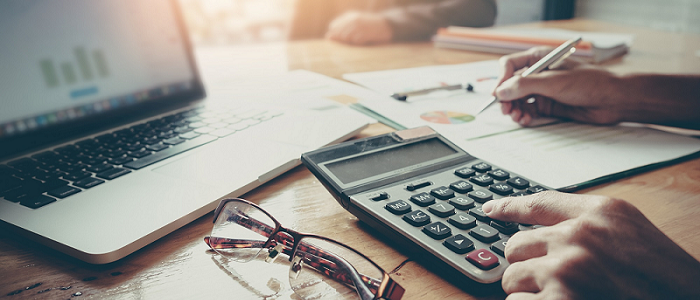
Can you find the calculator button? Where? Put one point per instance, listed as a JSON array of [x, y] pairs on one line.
[[459, 244], [518, 194], [535, 189], [499, 174], [505, 227], [465, 172], [461, 187], [480, 196], [437, 230], [462, 221], [442, 209], [518, 183], [482, 180], [500, 247], [479, 214], [483, 259], [481, 167], [417, 185], [462, 203], [484, 233], [501, 189], [442, 193], [417, 218], [398, 207], [422, 199], [378, 196]]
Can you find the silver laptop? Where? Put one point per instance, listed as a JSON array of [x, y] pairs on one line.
[[106, 142]]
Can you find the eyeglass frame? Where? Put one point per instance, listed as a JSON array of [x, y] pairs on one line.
[[386, 289]]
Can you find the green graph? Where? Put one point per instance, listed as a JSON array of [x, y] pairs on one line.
[[88, 65]]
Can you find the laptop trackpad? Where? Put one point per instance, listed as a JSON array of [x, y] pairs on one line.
[[231, 161]]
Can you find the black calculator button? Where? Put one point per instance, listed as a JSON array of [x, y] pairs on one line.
[[518, 194], [500, 247], [479, 214], [480, 196], [499, 174], [535, 189], [459, 244], [378, 196], [482, 180], [442, 193], [442, 209], [417, 218], [501, 189], [462, 221], [417, 185], [481, 167], [518, 183], [398, 207], [484, 233], [437, 230], [461, 187], [423, 199], [505, 227], [465, 172], [462, 203], [483, 259]]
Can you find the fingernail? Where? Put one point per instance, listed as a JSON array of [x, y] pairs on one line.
[[502, 93], [487, 207]]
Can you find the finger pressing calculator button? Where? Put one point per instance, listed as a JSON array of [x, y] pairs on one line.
[[417, 185], [462, 203], [501, 189], [518, 183], [442, 193], [459, 244], [481, 167], [442, 209], [500, 247], [536, 189], [462, 221], [505, 227], [480, 196], [479, 214], [465, 172], [378, 196], [423, 199], [461, 187], [482, 180], [483, 259], [417, 218], [398, 207], [437, 230], [484, 233], [499, 174]]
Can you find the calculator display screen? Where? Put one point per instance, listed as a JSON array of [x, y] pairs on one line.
[[384, 161]]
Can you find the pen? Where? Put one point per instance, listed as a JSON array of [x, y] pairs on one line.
[[550, 60], [404, 96]]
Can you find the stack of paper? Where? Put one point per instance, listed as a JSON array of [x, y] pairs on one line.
[[595, 47]]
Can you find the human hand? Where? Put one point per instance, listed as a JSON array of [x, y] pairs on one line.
[[575, 91], [360, 28], [594, 248]]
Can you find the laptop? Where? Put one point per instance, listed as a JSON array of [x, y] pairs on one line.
[[107, 139]]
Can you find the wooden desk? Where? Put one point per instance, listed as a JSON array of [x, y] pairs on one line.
[[180, 266]]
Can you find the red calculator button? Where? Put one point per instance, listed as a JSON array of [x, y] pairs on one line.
[[483, 259]]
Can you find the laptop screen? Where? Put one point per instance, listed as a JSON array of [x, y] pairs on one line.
[[66, 61]]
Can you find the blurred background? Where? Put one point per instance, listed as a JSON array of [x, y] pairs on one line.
[[258, 21]]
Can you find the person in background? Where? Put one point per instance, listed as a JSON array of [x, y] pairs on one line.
[[595, 247], [363, 22]]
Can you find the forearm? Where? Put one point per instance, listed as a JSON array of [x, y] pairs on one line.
[[672, 100], [421, 21]]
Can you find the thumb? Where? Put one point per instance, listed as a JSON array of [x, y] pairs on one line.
[[544, 208]]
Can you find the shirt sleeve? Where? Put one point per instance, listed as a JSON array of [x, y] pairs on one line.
[[421, 20]]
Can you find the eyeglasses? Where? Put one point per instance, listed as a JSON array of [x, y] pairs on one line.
[[321, 268]]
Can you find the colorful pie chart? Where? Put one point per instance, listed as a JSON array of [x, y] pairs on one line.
[[446, 117]]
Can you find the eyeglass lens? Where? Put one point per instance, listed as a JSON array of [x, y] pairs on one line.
[[240, 231]]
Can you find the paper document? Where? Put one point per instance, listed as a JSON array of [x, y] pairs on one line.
[[444, 111]]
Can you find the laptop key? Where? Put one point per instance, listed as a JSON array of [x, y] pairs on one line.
[[64, 191], [37, 201], [158, 156], [88, 182], [113, 173], [77, 175]]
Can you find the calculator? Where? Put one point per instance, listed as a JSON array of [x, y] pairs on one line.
[[425, 194]]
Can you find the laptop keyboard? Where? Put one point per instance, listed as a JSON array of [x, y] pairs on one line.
[[58, 173]]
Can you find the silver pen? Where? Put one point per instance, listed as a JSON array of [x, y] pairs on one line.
[[404, 96], [552, 59]]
